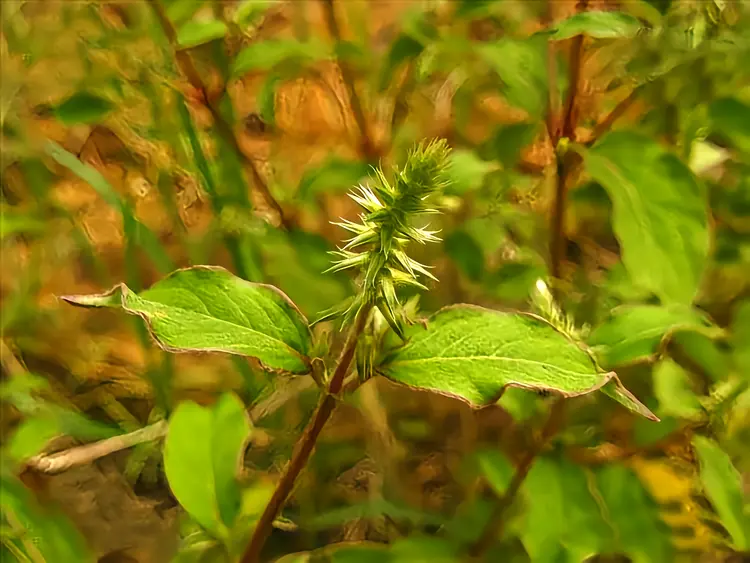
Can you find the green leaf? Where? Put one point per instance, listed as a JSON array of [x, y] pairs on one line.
[[633, 333], [402, 49], [334, 175], [740, 331], [731, 118], [598, 24], [508, 141], [82, 107], [194, 33], [467, 171], [634, 515], [723, 486], [521, 65], [473, 353], [659, 213], [672, 389], [466, 253], [497, 469], [250, 10], [267, 99], [179, 11], [201, 459], [31, 436], [206, 308], [265, 55], [562, 514]]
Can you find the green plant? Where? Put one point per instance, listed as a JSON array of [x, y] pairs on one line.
[[620, 259]]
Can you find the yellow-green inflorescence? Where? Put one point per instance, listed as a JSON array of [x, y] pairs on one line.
[[378, 245]]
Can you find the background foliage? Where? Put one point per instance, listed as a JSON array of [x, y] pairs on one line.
[[601, 146]]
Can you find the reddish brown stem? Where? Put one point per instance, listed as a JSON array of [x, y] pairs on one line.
[[368, 147], [619, 110], [306, 444], [187, 67]]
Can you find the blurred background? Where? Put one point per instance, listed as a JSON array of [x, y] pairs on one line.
[[143, 136]]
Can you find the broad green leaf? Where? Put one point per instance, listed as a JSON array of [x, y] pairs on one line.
[[467, 171], [633, 333], [497, 469], [250, 10], [598, 24], [333, 175], [705, 352], [723, 486], [201, 459], [473, 354], [731, 118], [208, 309], [672, 389], [82, 107], [180, 11], [633, 513], [521, 65], [31, 436], [562, 514], [194, 33], [466, 253], [659, 213], [230, 431], [265, 55]]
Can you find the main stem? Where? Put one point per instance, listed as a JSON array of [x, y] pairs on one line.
[[306, 444]]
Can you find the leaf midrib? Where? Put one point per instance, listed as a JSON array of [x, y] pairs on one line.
[[215, 319]]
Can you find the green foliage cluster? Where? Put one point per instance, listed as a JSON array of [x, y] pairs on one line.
[[616, 265]]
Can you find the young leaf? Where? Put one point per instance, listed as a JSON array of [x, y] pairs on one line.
[[201, 460], [521, 65], [659, 213], [497, 469], [265, 55], [474, 353], [333, 175], [82, 107], [195, 33], [723, 486], [466, 253], [206, 308], [598, 24], [633, 333], [31, 436], [672, 388], [467, 171]]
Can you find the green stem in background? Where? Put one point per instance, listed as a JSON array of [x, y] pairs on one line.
[[368, 148], [186, 65], [306, 444]]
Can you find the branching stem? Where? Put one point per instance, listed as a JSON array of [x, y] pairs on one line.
[[186, 65], [306, 444]]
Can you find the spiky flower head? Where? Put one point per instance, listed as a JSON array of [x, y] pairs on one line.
[[378, 244]]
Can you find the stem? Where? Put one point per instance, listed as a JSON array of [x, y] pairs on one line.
[[306, 444], [368, 147], [494, 527], [619, 110], [566, 162], [186, 65]]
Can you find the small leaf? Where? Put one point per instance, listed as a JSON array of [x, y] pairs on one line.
[[723, 486], [266, 55], [598, 24], [659, 213], [473, 353], [402, 49], [633, 333], [201, 459], [195, 32], [521, 65], [467, 171], [466, 253], [250, 10], [31, 436], [82, 107], [333, 175], [206, 308], [267, 99], [731, 118], [508, 141], [497, 469], [672, 389], [179, 11]]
